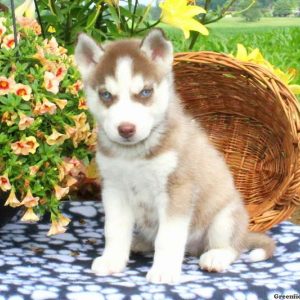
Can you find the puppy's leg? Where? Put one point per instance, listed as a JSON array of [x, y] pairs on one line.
[[119, 222], [141, 244], [170, 244], [224, 238]]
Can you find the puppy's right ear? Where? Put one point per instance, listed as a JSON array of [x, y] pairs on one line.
[[87, 54]]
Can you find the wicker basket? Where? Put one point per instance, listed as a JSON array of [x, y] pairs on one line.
[[253, 118]]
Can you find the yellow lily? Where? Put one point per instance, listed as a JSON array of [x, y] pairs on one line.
[[255, 56], [51, 29], [179, 14], [26, 9], [295, 88], [112, 2]]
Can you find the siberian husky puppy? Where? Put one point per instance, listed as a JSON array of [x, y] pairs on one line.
[[165, 187]]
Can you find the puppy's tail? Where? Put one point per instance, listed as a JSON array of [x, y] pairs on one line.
[[261, 245]]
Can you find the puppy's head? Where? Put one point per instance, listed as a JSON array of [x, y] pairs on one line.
[[127, 84]]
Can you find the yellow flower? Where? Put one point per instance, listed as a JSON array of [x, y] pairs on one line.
[[75, 88], [6, 85], [70, 131], [179, 14], [51, 29], [58, 70], [80, 120], [40, 55], [61, 173], [12, 199], [2, 30], [64, 169], [81, 134], [51, 82], [59, 226], [56, 138], [23, 91], [56, 228], [60, 192], [31, 143], [4, 183], [30, 201], [8, 41], [61, 103], [92, 171], [25, 146], [26, 9], [30, 24], [112, 2], [25, 121], [9, 118], [51, 47], [45, 107], [33, 170], [70, 180], [295, 88], [63, 220], [77, 166], [91, 139], [82, 104], [30, 216], [255, 56]]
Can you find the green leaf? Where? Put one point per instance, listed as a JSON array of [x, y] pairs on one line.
[[93, 17], [52, 6], [3, 138]]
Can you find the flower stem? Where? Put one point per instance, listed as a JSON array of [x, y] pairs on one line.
[[133, 16], [12, 4]]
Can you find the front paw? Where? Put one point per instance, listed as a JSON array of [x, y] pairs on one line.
[[104, 266], [163, 275]]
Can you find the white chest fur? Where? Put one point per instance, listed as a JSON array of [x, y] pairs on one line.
[[142, 182]]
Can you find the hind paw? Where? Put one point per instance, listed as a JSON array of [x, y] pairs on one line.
[[217, 260]]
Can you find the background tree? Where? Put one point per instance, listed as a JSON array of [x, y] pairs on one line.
[[252, 14], [283, 8]]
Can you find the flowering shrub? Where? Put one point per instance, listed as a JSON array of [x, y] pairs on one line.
[[46, 134]]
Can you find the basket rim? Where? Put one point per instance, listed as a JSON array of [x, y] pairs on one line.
[[232, 62]]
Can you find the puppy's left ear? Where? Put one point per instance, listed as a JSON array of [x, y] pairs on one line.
[[157, 47]]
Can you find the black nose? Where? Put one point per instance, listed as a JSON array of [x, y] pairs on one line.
[[126, 130]]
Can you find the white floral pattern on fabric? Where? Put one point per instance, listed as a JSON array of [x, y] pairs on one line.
[[34, 266]]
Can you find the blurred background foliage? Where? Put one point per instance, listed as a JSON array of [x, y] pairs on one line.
[[273, 26]]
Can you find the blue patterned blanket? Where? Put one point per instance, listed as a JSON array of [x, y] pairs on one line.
[[34, 266]]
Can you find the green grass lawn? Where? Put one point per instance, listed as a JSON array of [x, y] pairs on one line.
[[277, 38], [238, 24]]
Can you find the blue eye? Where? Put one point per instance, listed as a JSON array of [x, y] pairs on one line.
[[145, 93], [105, 95]]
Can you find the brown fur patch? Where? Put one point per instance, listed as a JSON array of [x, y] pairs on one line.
[[130, 48]]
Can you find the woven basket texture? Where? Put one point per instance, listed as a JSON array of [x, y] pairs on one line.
[[252, 117]]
